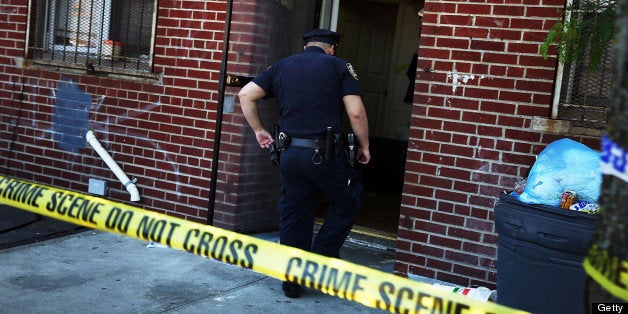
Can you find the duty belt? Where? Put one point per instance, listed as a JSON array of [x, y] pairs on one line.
[[305, 142]]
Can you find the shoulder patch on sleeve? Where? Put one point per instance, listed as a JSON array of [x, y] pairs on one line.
[[352, 71]]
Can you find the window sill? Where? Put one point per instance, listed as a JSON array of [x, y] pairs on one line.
[[135, 76], [562, 127]]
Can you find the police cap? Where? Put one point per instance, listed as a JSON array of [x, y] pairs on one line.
[[323, 36]]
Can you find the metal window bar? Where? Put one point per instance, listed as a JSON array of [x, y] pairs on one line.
[[581, 96], [97, 35]]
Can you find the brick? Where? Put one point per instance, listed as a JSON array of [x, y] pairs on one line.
[[429, 227], [515, 72], [498, 70], [459, 127], [432, 124], [474, 9], [444, 113], [438, 137], [438, 159], [427, 41], [522, 135], [497, 107], [524, 23], [509, 10], [514, 158], [457, 43], [465, 103], [538, 37], [485, 250], [465, 187], [419, 190], [479, 68], [445, 89], [433, 53], [435, 7], [467, 56], [492, 22], [461, 257], [543, 74], [515, 96], [435, 181], [534, 85], [505, 169], [445, 206], [488, 45], [548, 12], [455, 19], [511, 121], [472, 32], [519, 48], [534, 61], [413, 236], [436, 30], [506, 34], [460, 174], [479, 117], [483, 93], [427, 250], [469, 271], [501, 58], [451, 195]]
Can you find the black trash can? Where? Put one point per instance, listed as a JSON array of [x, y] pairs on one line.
[[539, 256]]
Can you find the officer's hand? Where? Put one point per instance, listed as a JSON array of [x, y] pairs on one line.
[[264, 138], [363, 156]]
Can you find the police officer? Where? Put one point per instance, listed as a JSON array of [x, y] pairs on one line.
[[313, 90]]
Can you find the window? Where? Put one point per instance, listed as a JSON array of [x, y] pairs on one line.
[[583, 96], [95, 35]]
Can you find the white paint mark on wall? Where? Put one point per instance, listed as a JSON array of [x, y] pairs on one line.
[[459, 79], [485, 167]]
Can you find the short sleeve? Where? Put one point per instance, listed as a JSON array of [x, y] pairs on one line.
[[350, 83], [264, 80]]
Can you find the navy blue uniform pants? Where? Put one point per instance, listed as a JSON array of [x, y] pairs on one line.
[[302, 183]]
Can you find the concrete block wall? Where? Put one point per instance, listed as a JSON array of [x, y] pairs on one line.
[[480, 83]]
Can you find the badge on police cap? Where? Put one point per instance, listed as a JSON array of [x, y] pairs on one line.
[[352, 71]]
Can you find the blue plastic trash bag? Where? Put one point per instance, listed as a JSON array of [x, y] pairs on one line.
[[563, 165]]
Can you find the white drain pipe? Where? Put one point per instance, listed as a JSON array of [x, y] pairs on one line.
[[128, 184]]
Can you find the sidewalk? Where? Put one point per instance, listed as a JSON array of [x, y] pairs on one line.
[[98, 272]]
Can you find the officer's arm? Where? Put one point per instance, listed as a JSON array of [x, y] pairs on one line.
[[359, 123], [249, 95]]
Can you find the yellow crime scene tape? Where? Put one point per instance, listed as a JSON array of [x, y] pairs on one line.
[[336, 277], [608, 271]]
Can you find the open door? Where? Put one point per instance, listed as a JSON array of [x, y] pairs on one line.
[[380, 38]]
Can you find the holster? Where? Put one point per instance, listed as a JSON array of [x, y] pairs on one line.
[[275, 152], [352, 147]]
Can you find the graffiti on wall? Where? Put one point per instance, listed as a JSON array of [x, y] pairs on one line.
[[71, 116]]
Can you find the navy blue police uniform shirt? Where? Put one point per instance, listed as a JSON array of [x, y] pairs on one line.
[[309, 87]]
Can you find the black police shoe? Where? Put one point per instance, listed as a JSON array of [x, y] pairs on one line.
[[291, 289]]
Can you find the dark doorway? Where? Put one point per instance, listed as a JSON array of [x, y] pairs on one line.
[[380, 38]]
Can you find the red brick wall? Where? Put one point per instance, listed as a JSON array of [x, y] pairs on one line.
[[159, 132], [480, 81]]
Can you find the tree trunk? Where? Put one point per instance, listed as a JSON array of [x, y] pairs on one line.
[[612, 231]]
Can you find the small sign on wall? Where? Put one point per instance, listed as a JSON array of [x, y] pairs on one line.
[[228, 104]]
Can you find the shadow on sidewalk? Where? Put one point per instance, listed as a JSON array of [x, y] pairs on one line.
[[20, 227]]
